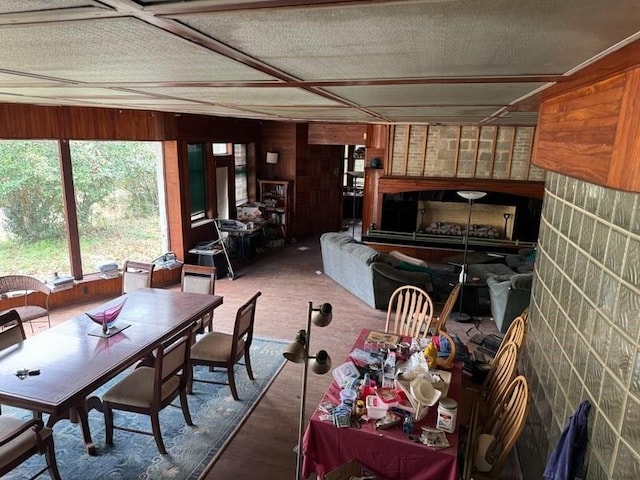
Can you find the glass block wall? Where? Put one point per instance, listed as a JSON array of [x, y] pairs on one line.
[[583, 335]]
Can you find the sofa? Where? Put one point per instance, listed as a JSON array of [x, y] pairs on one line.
[[373, 276], [509, 296]]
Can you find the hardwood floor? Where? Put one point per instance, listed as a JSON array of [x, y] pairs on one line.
[[288, 277]]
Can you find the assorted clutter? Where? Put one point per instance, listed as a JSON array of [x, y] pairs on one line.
[[400, 383], [60, 282]]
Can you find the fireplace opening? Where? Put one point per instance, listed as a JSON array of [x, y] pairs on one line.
[[443, 212]]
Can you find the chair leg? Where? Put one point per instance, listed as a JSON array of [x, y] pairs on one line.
[[155, 427], [185, 407], [108, 423], [232, 382], [52, 465], [247, 363]]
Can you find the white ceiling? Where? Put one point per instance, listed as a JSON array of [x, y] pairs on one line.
[[417, 61]]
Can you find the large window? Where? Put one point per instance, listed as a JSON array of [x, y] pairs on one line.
[[118, 208], [240, 162], [116, 187], [32, 224]]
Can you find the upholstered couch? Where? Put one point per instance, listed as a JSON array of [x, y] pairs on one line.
[[509, 295], [372, 276]]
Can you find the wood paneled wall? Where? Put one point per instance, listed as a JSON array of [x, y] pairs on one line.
[[337, 134], [588, 127]]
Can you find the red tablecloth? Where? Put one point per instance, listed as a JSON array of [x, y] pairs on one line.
[[388, 453]]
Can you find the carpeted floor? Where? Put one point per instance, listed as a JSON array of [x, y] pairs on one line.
[[215, 414]]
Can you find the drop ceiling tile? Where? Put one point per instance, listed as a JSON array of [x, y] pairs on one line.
[[17, 6], [435, 94], [424, 38], [309, 114], [113, 50]]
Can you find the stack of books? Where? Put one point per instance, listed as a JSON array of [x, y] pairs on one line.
[[60, 282], [108, 270]]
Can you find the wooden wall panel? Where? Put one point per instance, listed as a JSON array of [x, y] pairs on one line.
[[624, 171], [337, 134], [591, 133]]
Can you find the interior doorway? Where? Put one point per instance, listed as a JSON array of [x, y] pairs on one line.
[[222, 191], [353, 189]]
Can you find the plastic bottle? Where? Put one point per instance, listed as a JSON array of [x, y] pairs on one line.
[[447, 414]]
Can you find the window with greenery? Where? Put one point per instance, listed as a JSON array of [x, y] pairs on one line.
[[116, 192], [32, 222], [197, 192], [240, 162]]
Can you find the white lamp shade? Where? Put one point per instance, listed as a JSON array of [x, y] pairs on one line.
[[471, 195], [272, 157]]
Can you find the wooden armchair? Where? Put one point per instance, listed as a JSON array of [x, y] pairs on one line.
[[20, 440], [36, 296]]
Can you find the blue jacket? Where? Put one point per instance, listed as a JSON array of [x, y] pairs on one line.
[[566, 462]]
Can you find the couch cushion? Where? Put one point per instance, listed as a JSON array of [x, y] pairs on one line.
[[337, 238], [412, 267], [362, 252], [408, 259]]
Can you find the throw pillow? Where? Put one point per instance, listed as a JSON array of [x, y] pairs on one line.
[[406, 258]]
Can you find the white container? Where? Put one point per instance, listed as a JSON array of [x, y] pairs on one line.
[[447, 415], [376, 408]]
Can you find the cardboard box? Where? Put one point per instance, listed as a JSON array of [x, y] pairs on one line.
[[350, 471]]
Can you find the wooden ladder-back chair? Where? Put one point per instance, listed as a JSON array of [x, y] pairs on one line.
[[147, 390], [439, 324], [217, 349], [20, 440], [136, 275], [200, 279], [503, 430], [503, 370], [411, 309], [36, 297]]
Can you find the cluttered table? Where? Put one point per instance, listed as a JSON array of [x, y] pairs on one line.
[[381, 440]]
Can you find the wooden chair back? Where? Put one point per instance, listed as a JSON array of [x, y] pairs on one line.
[[200, 279], [509, 419], [136, 275], [503, 369], [243, 327], [515, 333], [411, 312], [172, 358], [11, 329], [440, 323]]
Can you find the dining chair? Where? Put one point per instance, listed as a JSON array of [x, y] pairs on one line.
[[447, 362], [147, 390], [200, 279], [411, 311], [11, 331], [217, 349], [22, 439], [439, 323], [503, 369], [515, 333], [136, 275], [492, 444]]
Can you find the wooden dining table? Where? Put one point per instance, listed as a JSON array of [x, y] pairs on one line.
[[73, 360]]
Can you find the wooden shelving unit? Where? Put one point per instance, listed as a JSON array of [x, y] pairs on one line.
[[276, 196]]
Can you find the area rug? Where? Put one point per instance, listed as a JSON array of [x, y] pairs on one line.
[[215, 413]]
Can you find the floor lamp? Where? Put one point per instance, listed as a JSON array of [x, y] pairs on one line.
[[469, 195], [298, 352]]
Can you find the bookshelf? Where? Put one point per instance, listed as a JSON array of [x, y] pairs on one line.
[[276, 196]]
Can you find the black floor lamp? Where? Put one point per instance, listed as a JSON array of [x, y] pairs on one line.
[[298, 352], [469, 195]]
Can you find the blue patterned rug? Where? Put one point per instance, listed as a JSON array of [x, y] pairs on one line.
[[190, 449]]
